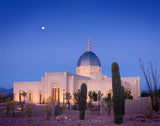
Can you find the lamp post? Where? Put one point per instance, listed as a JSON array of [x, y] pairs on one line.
[[63, 95]]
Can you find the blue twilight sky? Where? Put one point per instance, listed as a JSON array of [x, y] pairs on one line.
[[120, 30]]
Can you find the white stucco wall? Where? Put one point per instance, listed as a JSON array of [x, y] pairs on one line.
[[28, 87], [68, 82]]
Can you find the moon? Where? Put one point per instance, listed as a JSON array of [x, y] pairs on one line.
[[43, 28]]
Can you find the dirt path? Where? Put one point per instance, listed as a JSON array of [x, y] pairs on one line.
[[73, 120]]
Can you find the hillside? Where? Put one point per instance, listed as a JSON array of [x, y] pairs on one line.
[[6, 91]]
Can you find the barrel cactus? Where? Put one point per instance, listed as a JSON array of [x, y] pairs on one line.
[[82, 102], [117, 94]]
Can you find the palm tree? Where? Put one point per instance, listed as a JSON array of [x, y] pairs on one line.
[[24, 95]]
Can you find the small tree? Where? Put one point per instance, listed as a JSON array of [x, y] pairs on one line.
[[24, 94], [151, 80], [99, 95], [108, 101], [48, 108], [10, 108], [76, 95], [94, 96], [68, 98], [128, 94], [90, 95], [2, 97]]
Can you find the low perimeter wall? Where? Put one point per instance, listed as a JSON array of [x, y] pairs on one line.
[[139, 105]]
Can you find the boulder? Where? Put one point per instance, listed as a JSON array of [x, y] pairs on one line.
[[61, 117]]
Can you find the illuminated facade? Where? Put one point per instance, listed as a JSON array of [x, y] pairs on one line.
[[57, 84]]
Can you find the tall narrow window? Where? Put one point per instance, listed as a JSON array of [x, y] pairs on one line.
[[30, 96], [56, 94], [20, 97], [53, 94], [40, 99]]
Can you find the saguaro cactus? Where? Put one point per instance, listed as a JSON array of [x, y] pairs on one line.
[[82, 102], [117, 94], [123, 100]]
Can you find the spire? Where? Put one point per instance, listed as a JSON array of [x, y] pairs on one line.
[[89, 47]]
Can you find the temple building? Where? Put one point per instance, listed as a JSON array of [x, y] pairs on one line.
[[88, 71]]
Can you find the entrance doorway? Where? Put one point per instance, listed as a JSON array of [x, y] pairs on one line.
[[56, 94]]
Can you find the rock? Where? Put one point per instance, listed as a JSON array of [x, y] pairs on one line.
[[65, 117], [61, 117]]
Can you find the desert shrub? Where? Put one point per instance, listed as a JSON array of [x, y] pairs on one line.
[[93, 108], [57, 110], [149, 112], [10, 108], [48, 107], [144, 94], [62, 109], [28, 110]]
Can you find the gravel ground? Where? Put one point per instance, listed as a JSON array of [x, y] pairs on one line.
[[73, 120]]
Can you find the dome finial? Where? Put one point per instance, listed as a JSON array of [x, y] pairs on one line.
[[89, 47]]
